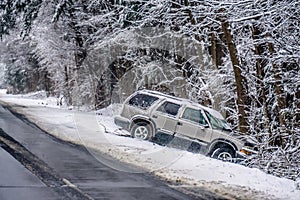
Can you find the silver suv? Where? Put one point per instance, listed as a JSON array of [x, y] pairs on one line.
[[148, 113]]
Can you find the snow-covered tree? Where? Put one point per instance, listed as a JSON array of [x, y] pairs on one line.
[[2, 73]]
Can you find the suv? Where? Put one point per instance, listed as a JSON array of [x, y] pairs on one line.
[[147, 113]]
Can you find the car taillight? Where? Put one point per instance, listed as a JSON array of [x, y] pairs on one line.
[[244, 151]]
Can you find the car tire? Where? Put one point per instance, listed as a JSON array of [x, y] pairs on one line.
[[141, 130], [223, 153]]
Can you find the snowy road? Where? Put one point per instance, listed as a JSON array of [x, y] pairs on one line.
[[80, 168]]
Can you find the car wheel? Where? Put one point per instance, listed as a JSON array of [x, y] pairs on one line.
[[223, 153], [141, 130]]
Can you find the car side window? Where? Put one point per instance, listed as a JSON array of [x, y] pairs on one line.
[[169, 108], [142, 101], [194, 115]]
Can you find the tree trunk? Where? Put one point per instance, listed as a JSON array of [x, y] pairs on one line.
[[214, 50], [67, 87], [297, 103], [217, 54], [281, 102], [217, 48], [239, 79], [259, 72], [198, 38]]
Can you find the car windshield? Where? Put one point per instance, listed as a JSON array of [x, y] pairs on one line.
[[217, 123]]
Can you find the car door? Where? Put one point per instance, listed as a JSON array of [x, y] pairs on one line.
[[165, 117], [193, 125]]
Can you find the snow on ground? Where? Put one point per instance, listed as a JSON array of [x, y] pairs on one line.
[[183, 170]]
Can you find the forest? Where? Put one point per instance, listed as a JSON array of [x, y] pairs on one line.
[[241, 57]]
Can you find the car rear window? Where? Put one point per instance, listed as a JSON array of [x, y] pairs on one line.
[[142, 100]]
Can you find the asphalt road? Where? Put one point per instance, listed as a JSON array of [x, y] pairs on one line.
[[17, 182], [60, 170]]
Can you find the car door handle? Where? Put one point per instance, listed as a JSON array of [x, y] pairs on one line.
[[179, 123], [154, 116]]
